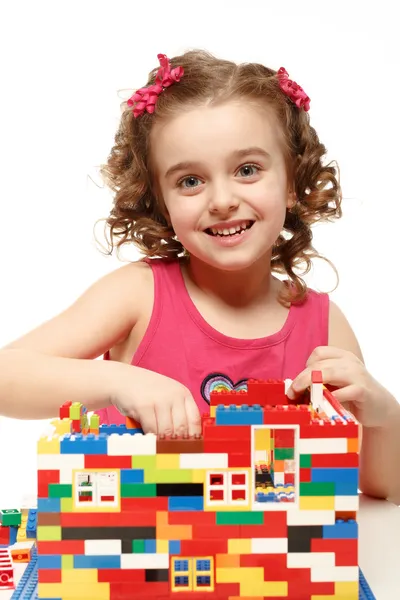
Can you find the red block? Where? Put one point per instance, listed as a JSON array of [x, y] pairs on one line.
[[4, 535], [144, 504], [305, 475], [220, 433], [242, 459], [284, 438], [203, 547], [275, 526], [44, 478], [215, 532], [227, 397], [289, 478], [126, 519], [274, 565], [49, 575], [334, 460], [346, 551], [140, 590], [121, 575], [94, 461], [266, 393], [328, 430], [62, 547], [223, 590], [286, 415]]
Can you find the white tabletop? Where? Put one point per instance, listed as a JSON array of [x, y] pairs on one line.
[[379, 548]]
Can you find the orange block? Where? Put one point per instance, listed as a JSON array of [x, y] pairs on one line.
[[279, 466], [164, 531], [227, 561], [132, 424], [353, 445]]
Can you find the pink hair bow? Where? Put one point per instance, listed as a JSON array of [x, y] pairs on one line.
[[293, 90], [145, 99]]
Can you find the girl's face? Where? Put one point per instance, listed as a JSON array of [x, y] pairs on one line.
[[222, 175]]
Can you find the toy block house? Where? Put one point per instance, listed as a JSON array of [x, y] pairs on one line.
[[262, 505]]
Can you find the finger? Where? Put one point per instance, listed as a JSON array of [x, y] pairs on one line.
[[164, 420], [334, 372], [179, 419], [147, 420], [353, 394], [323, 353], [193, 416]]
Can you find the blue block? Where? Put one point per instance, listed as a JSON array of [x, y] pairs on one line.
[[31, 524], [193, 503], [150, 546], [346, 489], [49, 561], [174, 547], [13, 535], [97, 562], [132, 476], [119, 429], [84, 444], [335, 475], [49, 505], [239, 415], [342, 530]]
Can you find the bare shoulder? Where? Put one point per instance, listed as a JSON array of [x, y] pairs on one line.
[[102, 316], [341, 334]]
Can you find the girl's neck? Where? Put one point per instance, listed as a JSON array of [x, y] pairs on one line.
[[235, 288]]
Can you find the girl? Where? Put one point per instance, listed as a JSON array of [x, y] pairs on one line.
[[218, 176]]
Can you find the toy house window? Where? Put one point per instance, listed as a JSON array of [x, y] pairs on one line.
[[96, 489], [194, 574], [227, 488]]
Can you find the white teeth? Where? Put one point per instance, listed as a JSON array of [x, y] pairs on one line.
[[232, 230]]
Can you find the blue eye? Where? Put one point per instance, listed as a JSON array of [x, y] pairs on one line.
[[249, 166], [190, 178]]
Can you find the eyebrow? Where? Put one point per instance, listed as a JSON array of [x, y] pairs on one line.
[[183, 166]]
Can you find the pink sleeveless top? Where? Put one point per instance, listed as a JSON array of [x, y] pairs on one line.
[[180, 344]]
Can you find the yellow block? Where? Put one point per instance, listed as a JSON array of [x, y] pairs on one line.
[[79, 576], [317, 502], [240, 546], [262, 439], [21, 535], [101, 591], [167, 461], [346, 590], [162, 547], [240, 576], [67, 562], [67, 505], [264, 588], [48, 445], [61, 426], [199, 476], [213, 410]]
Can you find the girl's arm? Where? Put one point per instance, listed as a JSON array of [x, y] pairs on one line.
[[54, 363], [380, 448]]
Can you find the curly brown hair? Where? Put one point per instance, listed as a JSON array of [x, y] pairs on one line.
[[139, 216]]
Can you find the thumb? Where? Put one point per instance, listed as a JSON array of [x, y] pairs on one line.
[[193, 416]]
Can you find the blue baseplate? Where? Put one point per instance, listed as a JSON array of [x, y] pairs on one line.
[[27, 587]]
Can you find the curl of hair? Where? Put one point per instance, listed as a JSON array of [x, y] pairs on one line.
[[139, 216]]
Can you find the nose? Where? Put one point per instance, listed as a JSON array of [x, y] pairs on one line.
[[222, 199]]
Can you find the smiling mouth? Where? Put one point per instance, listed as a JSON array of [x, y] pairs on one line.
[[230, 231]]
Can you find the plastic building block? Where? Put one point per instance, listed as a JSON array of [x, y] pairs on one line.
[[365, 590], [27, 587], [262, 504], [6, 570], [10, 517]]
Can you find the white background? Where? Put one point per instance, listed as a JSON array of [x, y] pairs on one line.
[[65, 68]]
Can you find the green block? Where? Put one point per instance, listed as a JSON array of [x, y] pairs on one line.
[[49, 533], [317, 489], [60, 490], [239, 518], [94, 422], [67, 561], [67, 505], [75, 411], [10, 517], [138, 490], [305, 461], [168, 476], [144, 462], [284, 453], [138, 546]]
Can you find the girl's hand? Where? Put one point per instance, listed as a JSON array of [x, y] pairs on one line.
[[370, 403], [160, 404]]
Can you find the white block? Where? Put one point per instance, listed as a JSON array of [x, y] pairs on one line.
[[311, 517], [144, 561], [203, 461], [131, 445], [60, 461], [269, 546], [103, 547], [319, 574], [309, 560], [66, 475], [323, 445], [347, 503], [279, 478]]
